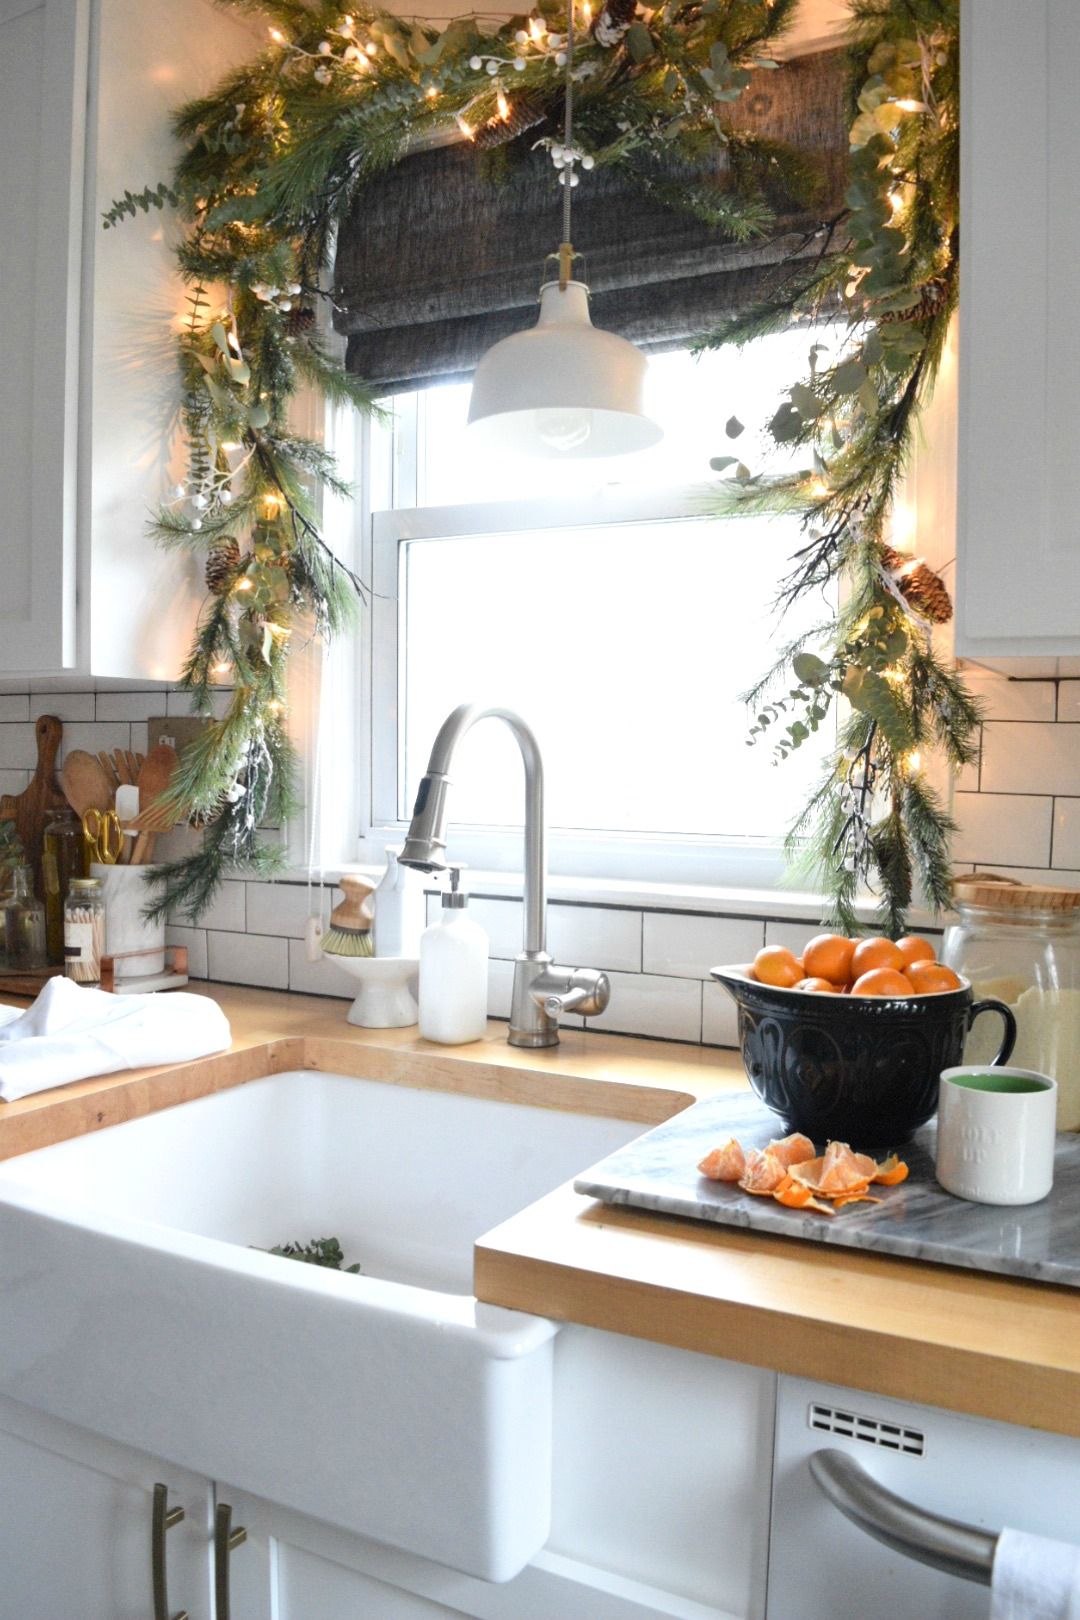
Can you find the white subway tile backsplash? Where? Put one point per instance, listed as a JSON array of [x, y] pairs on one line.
[[284, 908], [226, 911], [719, 1016], [18, 747], [1030, 758], [503, 922], [687, 947], [322, 978], [1068, 701], [14, 706], [140, 741], [645, 1004], [500, 987], [996, 827], [596, 937], [179, 702], [1005, 699], [13, 781], [64, 705], [195, 940], [249, 959], [131, 705], [1067, 832], [94, 736], [795, 935]]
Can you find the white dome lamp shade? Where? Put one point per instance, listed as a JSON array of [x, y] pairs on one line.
[[564, 389]]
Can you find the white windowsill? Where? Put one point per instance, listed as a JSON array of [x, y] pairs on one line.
[[712, 900]]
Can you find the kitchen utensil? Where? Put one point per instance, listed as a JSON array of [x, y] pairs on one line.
[[995, 1140], [86, 783], [101, 829], [858, 1069], [108, 765], [33, 808], [155, 776]]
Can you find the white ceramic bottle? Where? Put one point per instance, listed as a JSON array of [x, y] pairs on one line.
[[453, 973], [398, 910]]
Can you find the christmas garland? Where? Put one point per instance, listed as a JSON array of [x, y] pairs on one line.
[[272, 161], [888, 270], [276, 157]]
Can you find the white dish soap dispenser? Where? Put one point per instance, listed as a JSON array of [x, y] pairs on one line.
[[399, 908], [453, 972]]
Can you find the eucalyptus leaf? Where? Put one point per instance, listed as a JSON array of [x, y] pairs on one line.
[[809, 668], [733, 427], [849, 377], [639, 42], [220, 337], [720, 463]]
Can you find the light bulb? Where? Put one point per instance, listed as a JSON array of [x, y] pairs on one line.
[[502, 104], [564, 430]]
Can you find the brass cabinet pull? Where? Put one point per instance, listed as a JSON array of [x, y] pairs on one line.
[[163, 1520], [225, 1540]]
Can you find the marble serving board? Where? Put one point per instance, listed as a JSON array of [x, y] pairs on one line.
[[917, 1219]]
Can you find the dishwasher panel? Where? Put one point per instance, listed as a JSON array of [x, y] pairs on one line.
[[986, 1475]]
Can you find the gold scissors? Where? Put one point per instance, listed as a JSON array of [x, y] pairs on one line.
[[104, 838]]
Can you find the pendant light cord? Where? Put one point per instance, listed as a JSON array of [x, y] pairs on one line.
[[566, 251]]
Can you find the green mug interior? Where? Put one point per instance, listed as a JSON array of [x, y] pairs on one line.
[[1014, 1084]]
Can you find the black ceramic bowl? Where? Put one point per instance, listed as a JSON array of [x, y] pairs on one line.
[[858, 1069]]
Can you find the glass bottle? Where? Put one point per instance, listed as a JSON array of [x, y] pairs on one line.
[[63, 858], [22, 926], [84, 931], [1021, 944]]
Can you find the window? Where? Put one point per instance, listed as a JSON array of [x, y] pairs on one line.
[[601, 602]]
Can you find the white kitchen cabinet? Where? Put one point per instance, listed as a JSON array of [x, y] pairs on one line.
[[1018, 552], [76, 1524], [87, 379]]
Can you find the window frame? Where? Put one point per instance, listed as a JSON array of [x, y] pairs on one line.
[[393, 471]]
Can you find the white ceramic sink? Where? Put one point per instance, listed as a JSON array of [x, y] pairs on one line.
[[135, 1300]]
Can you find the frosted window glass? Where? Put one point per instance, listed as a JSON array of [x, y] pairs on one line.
[[625, 647]]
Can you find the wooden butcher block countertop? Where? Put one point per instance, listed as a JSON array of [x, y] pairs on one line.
[[991, 1346]]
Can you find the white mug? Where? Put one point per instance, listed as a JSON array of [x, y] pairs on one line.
[[996, 1133]]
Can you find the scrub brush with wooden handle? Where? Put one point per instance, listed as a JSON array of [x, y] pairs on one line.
[[349, 933]]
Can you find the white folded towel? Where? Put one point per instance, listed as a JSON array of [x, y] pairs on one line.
[[1035, 1578], [73, 1033]]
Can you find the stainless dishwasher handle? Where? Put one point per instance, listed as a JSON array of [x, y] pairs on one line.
[[945, 1544]]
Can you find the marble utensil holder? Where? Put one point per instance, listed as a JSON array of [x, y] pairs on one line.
[[125, 893]]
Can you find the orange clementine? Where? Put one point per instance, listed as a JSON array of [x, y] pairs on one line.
[[823, 986], [914, 949], [881, 982], [875, 953], [775, 964], [930, 978], [828, 956]]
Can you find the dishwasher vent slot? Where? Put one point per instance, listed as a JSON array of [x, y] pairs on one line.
[[873, 1431]]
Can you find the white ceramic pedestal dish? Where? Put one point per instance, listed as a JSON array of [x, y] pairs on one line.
[[141, 1304], [387, 995]]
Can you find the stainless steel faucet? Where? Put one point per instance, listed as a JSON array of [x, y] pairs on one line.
[[542, 991]]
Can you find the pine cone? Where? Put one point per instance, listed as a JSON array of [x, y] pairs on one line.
[[613, 22], [922, 589], [525, 111], [299, 320], [935, 296], [221, 561]]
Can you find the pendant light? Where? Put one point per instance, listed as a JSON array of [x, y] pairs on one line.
[[564, 389]]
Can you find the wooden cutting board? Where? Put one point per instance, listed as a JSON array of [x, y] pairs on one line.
[[33, 808]]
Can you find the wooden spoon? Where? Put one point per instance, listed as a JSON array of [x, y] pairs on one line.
[[87, 786], [155, 775]]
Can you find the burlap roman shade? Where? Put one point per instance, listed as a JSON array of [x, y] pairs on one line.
[[437, 261]]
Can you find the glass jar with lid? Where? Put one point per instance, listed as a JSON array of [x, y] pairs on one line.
[[63, 858], [84, 931], [22, 926], [1020, 943]]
